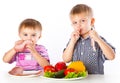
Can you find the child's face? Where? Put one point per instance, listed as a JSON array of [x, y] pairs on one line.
[[82, 23], [30, 34]]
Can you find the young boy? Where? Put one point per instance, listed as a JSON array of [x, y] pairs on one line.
[[26, 52], [85, 43]]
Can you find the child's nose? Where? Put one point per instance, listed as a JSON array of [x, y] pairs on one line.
[[29, 38], [79, 24], [79, 27]]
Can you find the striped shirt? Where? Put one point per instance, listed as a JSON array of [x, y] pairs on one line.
[[93, 60]]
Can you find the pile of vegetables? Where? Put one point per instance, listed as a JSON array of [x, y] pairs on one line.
[[61, 70]]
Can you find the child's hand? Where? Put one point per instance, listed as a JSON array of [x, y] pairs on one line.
[[28, 42], [19, 45], [75, 35], [30, 46], [94, 35]]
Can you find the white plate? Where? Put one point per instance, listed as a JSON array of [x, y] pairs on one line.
[[79, 78], [23, 76], [27, 72]]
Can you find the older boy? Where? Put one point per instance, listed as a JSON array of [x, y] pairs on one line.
[[85, 43]]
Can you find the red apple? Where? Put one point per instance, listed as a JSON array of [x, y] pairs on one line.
[[60, 66]]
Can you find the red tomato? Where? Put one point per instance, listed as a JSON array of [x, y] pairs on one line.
[[49, 68], [67, 71], [60, 66]]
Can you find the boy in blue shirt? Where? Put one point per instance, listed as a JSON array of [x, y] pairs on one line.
[[85, 44]]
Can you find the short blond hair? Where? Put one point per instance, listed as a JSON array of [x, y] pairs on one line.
[[31, 23], [81, 8]]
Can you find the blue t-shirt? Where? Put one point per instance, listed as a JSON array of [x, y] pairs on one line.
[[93, 60]]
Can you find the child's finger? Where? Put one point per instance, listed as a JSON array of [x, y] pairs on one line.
[[93, 44], [92, 40]]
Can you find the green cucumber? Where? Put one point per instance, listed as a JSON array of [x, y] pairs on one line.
[[60, 74]]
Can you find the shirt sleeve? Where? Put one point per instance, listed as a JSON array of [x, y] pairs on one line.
[[13, 59], [66, 45], [109, 45], [43, 52]]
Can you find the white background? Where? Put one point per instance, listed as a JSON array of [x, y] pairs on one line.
[[54, 16]]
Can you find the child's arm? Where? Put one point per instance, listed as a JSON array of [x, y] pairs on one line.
[[107, 50], [9, 55], [68, 52], [41, 60]]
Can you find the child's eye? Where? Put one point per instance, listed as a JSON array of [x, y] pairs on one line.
[[33, 35], [25, 35], [83, 20], [74, 22]]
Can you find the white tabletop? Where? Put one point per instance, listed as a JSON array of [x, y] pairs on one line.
[[107, 78]]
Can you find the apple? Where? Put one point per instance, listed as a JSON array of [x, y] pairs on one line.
[[60, 66]]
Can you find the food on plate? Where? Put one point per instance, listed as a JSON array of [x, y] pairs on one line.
[[56, 71], [69, 70], [76, 74], [77, 65], [75, 69], [61, 70], [60, 74], [16, 71], [49, 68], [60, 66]]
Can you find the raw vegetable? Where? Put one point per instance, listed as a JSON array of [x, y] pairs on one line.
[[77, 65], [60, 70], [49, 68], [60, 74], [69, 70], [76, 75], [60, 66], [49, 74]]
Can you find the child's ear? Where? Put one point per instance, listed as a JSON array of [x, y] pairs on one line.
[[39, 36], [92, 21], [19, 35]]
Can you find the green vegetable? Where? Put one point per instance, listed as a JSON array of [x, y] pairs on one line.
[[60, 74], [76, 75], [49, 74], [71, 75], [82, 74]]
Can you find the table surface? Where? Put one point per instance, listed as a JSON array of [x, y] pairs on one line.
[[107, 78]]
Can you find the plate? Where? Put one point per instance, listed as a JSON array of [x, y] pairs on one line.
[[79, 78], [67, 79], [28, 74]]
